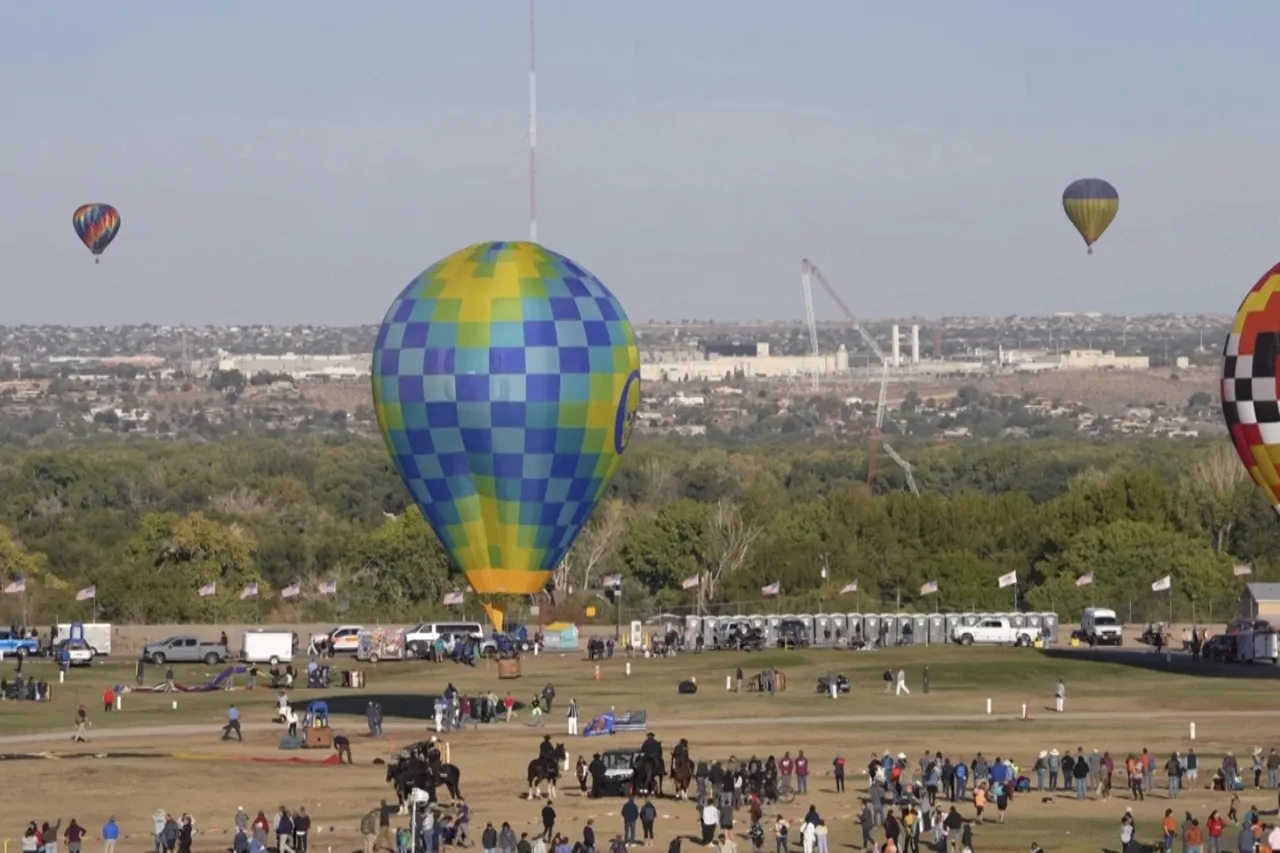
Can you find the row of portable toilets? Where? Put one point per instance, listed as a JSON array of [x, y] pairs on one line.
[[826, 629]]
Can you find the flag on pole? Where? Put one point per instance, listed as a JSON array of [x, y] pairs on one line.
[[851, 586], [1085, 580], [89, 593], [611, 581], [1011, 579], [16, 587], [293, 590], [207, 590], [453, 599], [692, 582], [772, 589], [1242, 570], [250, 591], [930, 588], [1163, 584], [329, 588]]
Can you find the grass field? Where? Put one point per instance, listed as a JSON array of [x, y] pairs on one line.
[[1109, 707]]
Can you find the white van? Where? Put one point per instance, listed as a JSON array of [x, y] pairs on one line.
[[1099, 626], [270, 647], [419, 639]]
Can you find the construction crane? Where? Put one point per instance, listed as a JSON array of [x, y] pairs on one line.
[[810, 272]]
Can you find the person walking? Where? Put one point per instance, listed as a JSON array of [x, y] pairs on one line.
[[902, 683], [1060, 696], [572, 716], [82, 723], [648, 816], [710, 819]]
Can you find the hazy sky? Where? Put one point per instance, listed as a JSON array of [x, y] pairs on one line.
[[301, 161]]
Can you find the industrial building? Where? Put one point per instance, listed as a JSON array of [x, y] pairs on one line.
[[289, 364]]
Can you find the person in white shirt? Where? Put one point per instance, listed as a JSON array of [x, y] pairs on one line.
[[902, 683], [1273, 838], [572, 715], [1060, 696], [710, 819], [727, 844], [809, 834]]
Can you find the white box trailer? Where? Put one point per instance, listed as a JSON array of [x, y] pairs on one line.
[[97, 635], [1257, 646], [270, 647]]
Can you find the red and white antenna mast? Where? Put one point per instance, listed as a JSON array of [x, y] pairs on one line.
[[533, 129]]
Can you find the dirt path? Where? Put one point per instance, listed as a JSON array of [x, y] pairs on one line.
[[197, 729]]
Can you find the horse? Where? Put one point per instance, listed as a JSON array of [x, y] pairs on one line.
[[407, 773], [681, 775], [646, 775], [546, 770]]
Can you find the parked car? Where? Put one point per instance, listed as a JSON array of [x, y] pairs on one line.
[[79, 652], [184, 650], [13, 643], [994, 630]]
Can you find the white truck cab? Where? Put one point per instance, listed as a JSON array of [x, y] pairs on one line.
[[1099, 626]]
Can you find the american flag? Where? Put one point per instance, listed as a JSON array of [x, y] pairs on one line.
[[851, 586], [87, 594], [930, 588], [329, 588], [250, 591], [772, 589], [692, 582], [611, 581], [453, 599], [1242, 570], [1085, 580], [293, 590], [16, 587], [207, 590]]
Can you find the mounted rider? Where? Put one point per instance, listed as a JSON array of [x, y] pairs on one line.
[[652, 750], [547, 750], [681, 751], [432, 753]]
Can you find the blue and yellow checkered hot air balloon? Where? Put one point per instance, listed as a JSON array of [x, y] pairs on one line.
[[1091, 205], [506, 380]]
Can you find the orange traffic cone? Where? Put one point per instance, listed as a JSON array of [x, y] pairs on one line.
[[597, 672]]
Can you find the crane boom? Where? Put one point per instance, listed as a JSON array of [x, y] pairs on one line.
[[812, 269], [904, 465]]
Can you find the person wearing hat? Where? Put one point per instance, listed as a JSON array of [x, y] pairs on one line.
[[1042, 769], [597, 770], [1055, 765]]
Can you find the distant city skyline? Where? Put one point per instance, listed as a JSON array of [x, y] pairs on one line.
[[289, 163]]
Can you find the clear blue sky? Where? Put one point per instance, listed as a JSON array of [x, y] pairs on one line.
[[301, 161]]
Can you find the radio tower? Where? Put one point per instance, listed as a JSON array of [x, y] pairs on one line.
[[533, 130]]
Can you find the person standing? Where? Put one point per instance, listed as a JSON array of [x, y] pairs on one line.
[[802, 773], [902, 683], [630, 814], [648, 816], [710, 818], [548, 821], [301, 826], [1060, 696], [82, 723], [535, 711], [233, 724], [572, 716], [837, 769]]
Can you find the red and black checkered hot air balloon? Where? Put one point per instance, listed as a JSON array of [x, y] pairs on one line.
[[1250, 397]]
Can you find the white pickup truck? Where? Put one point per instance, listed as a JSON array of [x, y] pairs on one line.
[[994, 630]]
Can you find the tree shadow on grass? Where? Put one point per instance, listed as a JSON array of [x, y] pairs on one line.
[[1175, 663]]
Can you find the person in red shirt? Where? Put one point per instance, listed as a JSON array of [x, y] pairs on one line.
[[510, 703], [108, 699], [802, 773], [74, 833], [786, 766], [1215, 825]]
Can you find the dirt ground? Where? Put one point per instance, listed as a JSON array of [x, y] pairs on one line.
[[1112, 708]]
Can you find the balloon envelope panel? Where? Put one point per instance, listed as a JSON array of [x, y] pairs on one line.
[[506, 382], [96, 225], [1091, 204], [1249, 394]]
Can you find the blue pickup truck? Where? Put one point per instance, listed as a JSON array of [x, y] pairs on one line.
[[12, 644]]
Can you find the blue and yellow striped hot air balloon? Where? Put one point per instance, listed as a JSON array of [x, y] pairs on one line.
[[506, 381], [1091, 205]]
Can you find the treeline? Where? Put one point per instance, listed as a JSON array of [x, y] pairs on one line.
[[147, 523]]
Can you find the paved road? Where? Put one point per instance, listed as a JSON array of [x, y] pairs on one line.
[[197, 729]]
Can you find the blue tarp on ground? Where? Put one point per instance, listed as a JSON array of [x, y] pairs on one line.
[[601, 725]]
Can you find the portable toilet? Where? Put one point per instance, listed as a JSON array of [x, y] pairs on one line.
[[692, 630], [889, 628], [758, 621], [1049, 627], [970, 619], [937, 629], [871, 628], [920, 629], [1017, 620], [953, 621], [1035, 622], [805, 620], [853, 624], [839, 628], [823, 632], [906, 628], [711, 631]]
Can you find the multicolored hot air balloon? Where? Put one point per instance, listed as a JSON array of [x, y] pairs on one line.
[[96, 226], [1091, 205], [1249, 393], [506, 381]]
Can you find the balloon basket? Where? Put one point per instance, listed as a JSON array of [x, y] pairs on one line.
[[509, 668]]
